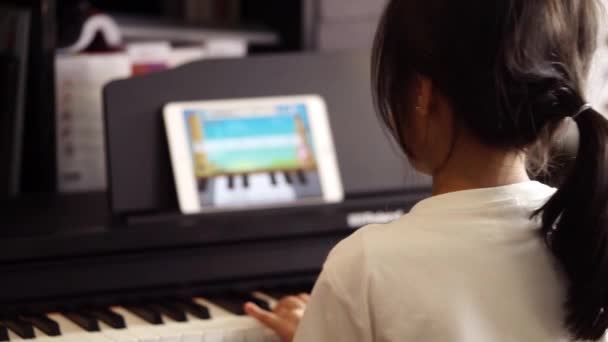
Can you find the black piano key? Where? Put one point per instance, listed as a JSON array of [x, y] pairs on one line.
[[171, 311], [195, 309], [109, 317], [273, 178], [260, 302], [234, 302], [202, 184], [292, 290], [42, 322], [302, 177], [3, 333], [246, 180], [20, 327], [288, 178], [146, 313], [83, 319], [230, 182]]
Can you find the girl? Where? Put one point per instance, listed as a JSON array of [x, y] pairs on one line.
[[468, 89]]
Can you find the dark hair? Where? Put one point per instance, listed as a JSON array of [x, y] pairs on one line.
[[513, 70]]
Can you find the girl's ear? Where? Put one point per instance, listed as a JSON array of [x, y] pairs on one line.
[[424, 95]]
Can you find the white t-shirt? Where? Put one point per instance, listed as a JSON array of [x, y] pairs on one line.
[[465, 266]]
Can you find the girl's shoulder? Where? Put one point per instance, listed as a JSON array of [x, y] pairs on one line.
[[404, 238]]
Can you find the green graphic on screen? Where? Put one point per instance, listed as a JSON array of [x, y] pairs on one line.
[[227, 143]]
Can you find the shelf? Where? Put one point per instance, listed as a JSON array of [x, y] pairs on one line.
[[134, 28]]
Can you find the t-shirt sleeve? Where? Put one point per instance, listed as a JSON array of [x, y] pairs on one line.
[[338, 309], [329, 318]]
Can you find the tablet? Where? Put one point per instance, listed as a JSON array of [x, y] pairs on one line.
[[252, 153]]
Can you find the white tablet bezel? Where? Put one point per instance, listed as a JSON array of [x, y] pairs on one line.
[[182, 163]]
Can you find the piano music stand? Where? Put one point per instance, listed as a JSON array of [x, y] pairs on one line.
[[140, 176]]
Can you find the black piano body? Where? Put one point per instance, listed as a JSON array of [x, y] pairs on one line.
[[139, 248]]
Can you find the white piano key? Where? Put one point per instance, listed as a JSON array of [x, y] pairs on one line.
[[167, 334], [222, 327], [171, 330], [282, 189], [214, 336], [206, 330], [144, 334], [239, 329], [75, 337], [192, 337], [122, 335], [71, 332], [260, 188], [116, 335], [140, 329], [239, 191], [245, 334], [189, 330], [45, 339], [131, 320], [109, 337], [234, 335], [254, 335], [87, 337], [222, 194], [13, 337], [66, 326], [195, 329], [39, 333]]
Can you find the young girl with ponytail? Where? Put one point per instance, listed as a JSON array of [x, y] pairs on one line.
[[468, 90]]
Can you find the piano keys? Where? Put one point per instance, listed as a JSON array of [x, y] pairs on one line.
[[260, 188], [213, 319], [45, 324], [108, 317], [20, 327], [83, 319]]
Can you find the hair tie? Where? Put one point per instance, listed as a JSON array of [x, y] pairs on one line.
[[583, 109]]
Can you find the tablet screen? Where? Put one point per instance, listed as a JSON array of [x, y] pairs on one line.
[[256, 155]]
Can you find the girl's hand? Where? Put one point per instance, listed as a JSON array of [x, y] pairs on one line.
[[284, 317]]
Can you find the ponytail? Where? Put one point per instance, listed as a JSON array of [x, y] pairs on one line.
[[575, 226]]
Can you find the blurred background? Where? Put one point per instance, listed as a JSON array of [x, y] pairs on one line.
[[153, 35], [58, 55]]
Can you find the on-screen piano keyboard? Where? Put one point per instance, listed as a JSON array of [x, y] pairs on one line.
[[176, 320], [260, 187]]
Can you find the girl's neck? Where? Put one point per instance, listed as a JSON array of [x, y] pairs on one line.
[[473, 165]]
